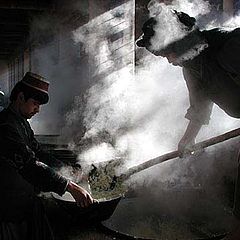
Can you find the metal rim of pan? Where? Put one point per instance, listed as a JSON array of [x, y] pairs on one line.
[[120, 235]]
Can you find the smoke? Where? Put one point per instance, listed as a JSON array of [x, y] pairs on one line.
[[232, 22], [168, 28], [137, 116], [193, 8], [55, 56], [107, 37]]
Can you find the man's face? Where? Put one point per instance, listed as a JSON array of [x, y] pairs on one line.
[[29, 108], [171, 57]]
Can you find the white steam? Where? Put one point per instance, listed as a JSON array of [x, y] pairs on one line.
[[167, 30], [137, 116], [193, 8]]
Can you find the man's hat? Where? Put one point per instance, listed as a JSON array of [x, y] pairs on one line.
[[167, 37], [37, 85], [148, 33]]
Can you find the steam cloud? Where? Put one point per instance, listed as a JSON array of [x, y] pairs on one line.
[[140, 116], [168, 28], [57, 58], [124, 115], [137, 116]]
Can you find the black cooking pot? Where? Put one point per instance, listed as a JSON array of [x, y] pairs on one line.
[[124, 236], [97, 212], [136, 218]]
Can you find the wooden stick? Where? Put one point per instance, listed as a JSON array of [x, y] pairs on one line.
[[174, 154]]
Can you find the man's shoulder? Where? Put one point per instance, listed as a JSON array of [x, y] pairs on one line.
[[7, 117], [220, 35], [221, 30]]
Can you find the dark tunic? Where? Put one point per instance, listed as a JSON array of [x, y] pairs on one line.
[[214, 77], [22, 176]]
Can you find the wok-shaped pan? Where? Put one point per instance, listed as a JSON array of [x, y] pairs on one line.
[[136, 219], [97, 212]]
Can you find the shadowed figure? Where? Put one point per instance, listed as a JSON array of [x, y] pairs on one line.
[[210, 63], [23, 173]]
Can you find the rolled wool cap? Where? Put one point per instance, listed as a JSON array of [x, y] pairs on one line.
[[38, 84], [163, 31]]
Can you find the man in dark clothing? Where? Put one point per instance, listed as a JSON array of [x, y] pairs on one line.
[[22, 172], [211, 68]]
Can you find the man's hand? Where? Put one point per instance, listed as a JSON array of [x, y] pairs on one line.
[[184, 146], [81, 196]]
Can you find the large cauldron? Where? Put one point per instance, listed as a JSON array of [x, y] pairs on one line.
[[173, 214]]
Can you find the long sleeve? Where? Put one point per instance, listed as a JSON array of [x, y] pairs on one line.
[[200, 106], [15, 150]]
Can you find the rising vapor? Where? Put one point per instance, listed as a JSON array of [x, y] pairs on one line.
[[139, 116]]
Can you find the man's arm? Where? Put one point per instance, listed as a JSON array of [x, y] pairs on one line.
[[23, 159], [189, 136], [199, 111]]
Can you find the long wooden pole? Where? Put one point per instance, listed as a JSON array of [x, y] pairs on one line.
[[175, 154]]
